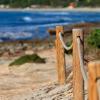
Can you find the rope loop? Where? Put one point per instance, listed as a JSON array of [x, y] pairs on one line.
[[83, 71], [64, 45]]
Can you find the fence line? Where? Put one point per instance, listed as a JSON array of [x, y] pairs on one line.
[[79, 72]]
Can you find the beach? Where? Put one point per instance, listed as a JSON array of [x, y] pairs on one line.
[[39, 81], [28, 81], [87, 9]]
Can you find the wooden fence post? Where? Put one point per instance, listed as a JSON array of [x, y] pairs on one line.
[[77, 76], [94, 74], [60, 57]]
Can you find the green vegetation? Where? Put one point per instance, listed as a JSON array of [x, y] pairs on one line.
[[94, 38], [27, 3], [69, 43], [54, 3], [34, 58], [92, 45]]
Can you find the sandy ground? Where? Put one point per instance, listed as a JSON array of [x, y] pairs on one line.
[[88, 9], [22, 82]]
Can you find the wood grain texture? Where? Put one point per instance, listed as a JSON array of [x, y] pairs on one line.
[[61, 70], [77, 76], [94, 76]]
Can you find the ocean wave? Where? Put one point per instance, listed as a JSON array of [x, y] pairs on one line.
[[47, 13], [38, 21], [15, 35], [27, 19], [22, 25]]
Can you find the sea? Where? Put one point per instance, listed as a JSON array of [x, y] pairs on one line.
[[27, 25]]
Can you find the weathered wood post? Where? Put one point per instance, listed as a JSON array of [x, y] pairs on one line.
[[60, 57], [77, 75], [94, 75]]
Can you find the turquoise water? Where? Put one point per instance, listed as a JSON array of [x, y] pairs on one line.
[[18, 25]]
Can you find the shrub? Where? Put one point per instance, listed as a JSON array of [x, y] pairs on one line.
[[94, 38], [68, 44], [34, 58]]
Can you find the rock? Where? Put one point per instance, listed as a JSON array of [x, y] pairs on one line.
[[29, 52]]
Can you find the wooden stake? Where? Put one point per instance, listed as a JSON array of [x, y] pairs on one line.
[[94, 74], [60, 57], [77, 76]]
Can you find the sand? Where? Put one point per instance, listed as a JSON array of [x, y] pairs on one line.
[[36, 81], [87, 9], [33, 81]]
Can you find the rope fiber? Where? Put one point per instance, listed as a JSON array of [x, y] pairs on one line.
[[83, 71], [64, 45]]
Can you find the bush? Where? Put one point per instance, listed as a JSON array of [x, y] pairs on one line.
[[94, 38], [34, 58], [68, 44]]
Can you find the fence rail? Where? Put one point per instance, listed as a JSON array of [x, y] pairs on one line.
[[92, 79]]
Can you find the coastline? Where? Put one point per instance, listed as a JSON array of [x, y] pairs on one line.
[[33, 81], [86, 9]]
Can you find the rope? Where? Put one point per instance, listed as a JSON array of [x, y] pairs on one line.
[[83, 71], [65, 47]]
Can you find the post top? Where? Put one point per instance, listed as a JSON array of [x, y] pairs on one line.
[[97, 62], [77, 29]]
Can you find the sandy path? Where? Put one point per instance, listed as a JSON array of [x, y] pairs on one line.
[[16, 82]]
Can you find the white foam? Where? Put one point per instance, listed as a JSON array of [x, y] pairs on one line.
[[56, 13], [27, 19], [51, 24], [12, 35]]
